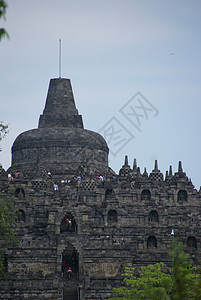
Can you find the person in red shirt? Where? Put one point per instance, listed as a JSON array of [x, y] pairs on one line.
[[69, 273]]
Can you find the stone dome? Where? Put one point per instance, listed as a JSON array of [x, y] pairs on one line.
[[60, 144]]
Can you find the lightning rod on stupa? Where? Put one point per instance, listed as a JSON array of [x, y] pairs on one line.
[[59, 58]]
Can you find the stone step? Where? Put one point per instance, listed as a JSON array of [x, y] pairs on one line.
[[70, 293], [70, 290]]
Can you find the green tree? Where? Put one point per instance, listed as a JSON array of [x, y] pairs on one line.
[[3, 130], [185, 277], [7, 213], [152, 283], [3, 7], [8, 218], [197, 286], [7, 210], [182, 283]]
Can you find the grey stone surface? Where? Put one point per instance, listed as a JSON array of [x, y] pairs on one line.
[[124, 221]]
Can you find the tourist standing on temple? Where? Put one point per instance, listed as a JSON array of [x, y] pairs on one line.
[[69, 273]]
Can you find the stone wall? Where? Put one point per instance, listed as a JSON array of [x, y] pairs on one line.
[[126, 221]]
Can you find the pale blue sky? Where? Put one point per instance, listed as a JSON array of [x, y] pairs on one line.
[[111, 49]]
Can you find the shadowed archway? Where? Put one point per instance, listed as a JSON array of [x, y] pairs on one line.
[[70, 259]]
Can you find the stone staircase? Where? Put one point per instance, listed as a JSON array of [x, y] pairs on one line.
[[70, 289]]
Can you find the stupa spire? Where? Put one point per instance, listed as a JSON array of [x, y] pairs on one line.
[[180, 167], [145, 174], [59, 58], [135, 165], [60, 109], [170, 171], [126, 161], [156, 165]]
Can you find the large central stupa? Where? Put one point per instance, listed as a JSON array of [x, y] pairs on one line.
[[60, 144]]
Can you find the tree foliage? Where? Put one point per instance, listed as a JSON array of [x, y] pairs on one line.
[[183, 282], [187, 280], [3, 130], [7, 210], [3, 7], [8, 218], [152, 283]]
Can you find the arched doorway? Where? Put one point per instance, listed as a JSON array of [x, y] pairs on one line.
[[70, 259]]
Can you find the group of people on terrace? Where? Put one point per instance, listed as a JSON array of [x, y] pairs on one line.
[[101, 178], [77, 180], [13, 176]]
